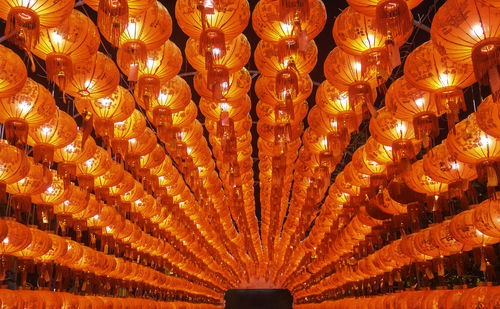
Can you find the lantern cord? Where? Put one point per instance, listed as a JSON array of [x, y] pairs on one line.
[[421, 26]]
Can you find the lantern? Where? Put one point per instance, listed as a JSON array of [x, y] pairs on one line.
[[26, 19], [93, 78], [39, 245], [445, 80], [76, 39], [111, 178], [345, 72], [58, 132], [137, 147], [487, 117], [469, 144], [415, 106], [33, 105], [56, 193], [76, 152], [238, 85], [132, 127], [18, 238], [146, 31], [462, 229], [96, 166], [472, 37], [117, 106], [13, 75], [14, 165]]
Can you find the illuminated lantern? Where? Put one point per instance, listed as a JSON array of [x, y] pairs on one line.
[[462, 229], [441, 236], [345, 72], [14, 166], [56, 193], [146, 31], [96, 166], [152, 159], [212, 21], [358, 35], [26, 19], [291, 31], [238, 85], [76, 202], [116, 107], [140, 146], [74, 252], [113, 16], [393, 132], [92, 209], [125, 185], [132, 127], [472, 37], [111, 178], [39, 245], [76, 152], [276, 115], [18, 238], [93, 78], [486, 218], [445, 79], [33, 105], [441, 166], [269, 62], [278, 91], [58, 132], [161, 65], [14, 73], [35, 182], [133, 195], [415, 106], [363, 165], [469, 144], [76, 39], [487, 117]]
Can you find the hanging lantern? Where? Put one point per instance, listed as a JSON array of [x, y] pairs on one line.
[[93, 78], [151, 160], [238, 85], [75, 40], [414, 106], [18, 238], [472, 37], [487, 117], [58, 132], [146, 31], [35, 182], [111, 178], [26, 19], [14, 73], [285, 88], [33, 105], [445, 80], [76, 203], [117, 106], [345, 72], [39, 245], [292, 30], [469, 144], [137, 147], [363, 165], [463, 230], [14, 166], [208, 18], [96, 166], [126, 184], [164, 121], [132, 127], [76, 152]]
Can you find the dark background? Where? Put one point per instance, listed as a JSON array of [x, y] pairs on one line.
[[258, 299]]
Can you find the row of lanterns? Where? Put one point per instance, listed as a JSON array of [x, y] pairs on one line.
[[381, 177]]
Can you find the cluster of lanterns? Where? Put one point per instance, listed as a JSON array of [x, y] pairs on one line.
[[127, 202]]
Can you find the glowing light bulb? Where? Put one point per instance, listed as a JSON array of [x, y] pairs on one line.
[[477, 30], [132, 140], [455, 165], [162, 97], [132, 29], [46, 130], [287, 28], [150, 63], [96, 217], [444, 79], [6, 240], [70, 148], [324, 142], [344, 98], [224, 106], [24, 106], [370, 39], [420, 102], [216, 52], [89, 162], [56, 37], [357, 66], [401, 127], [50, 190], [485, 140], [105, 102]]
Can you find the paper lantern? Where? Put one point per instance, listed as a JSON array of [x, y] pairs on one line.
[[57, 249], [76, 39], [76, 152], [26, 19], [414, 106], [140, 146], [18, 237], [487, 117], [96, 166], [445, 80], [39, 245], [470, 38], [14, 73], [290, 31], [132, 127], [14, 165], [238, 85], [462, 229], [76, 202], [111, 178], [33, 105], [212, 18], [117, 106], [442, 237], [93, 78], [56, 193], [58, 132]]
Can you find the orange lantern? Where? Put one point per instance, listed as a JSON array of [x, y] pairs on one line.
[[442, 237], [76, 152], [39, 245], [140, 146], [35, 182], [58, 132], [357, 34], [76, 39], [18, 238], [415, 106], [145, 31], [13, 75], [445, 80], [472, 37], [111, 178], [462, 229], [161, 65], [345, 72], [487, 117], [76, 202], [469, 144], [15, 166], [25, 19], [132, 127], [93, 78], [33, 105], [96, 166], [118, 106], [56, 193], [238, 85], [486, 218]]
